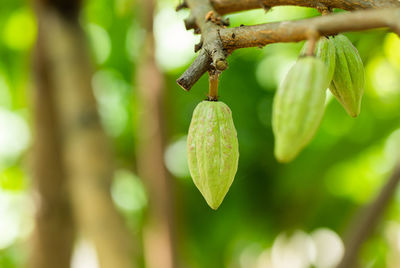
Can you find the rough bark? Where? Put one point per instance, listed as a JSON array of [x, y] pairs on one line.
[[229, 6], [158, 233], [195, 71], [212, 53], [295, 31], [53, 236], [85, 151]]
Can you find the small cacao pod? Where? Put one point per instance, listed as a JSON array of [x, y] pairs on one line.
[[348, 80], [325, 50], [213, 150], [298, 107]]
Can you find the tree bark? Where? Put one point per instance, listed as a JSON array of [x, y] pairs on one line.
[[298, 30], [229, 6], [85, 151], [159, 246], [53, 236]]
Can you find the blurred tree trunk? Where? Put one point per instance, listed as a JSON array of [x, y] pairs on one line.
[[85, 150], [53, 237], [158, 234]]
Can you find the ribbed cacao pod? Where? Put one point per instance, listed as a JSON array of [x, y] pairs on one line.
[[348, 80], [325, 50], [298, 107], [213, 150]]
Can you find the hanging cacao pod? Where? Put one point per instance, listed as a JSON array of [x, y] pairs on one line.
[[348, 80], [325, 50], [298, 107], [213, 150]]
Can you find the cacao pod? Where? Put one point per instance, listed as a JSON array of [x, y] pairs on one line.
[[348, 80], [325, 50], [298, 107], [213, 150]]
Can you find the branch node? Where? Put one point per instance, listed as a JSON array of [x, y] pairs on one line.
[[221, 64], [225, 22], [190, 23], [216, 19], [264, 6], [198, 46], [323, 9], [209, 16], [181, 6]]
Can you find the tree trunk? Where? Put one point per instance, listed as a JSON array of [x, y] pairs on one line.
[[85, 150], [158, 234], [53, 237]]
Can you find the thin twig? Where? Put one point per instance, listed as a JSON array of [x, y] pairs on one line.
[[192, 74], [367, 220]]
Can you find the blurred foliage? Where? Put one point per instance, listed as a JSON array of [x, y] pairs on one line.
[[342, 169]]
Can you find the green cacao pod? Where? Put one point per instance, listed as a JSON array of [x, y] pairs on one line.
[[213, 150], [348, 80], [298, 107], [325, 50]]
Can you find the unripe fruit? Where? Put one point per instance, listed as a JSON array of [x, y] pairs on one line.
[[298, 107], [325, 50], [213, 150], [348, 80]]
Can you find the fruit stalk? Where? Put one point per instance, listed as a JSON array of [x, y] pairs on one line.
[[313, 37], [213, 85]]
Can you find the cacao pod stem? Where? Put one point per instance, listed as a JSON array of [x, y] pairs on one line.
[[313, 37], [213, 85]]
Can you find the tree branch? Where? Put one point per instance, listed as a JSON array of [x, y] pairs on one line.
[[227, 40], [367, 220], [294, 31], [229, 6], [209, 22], [200, 65]]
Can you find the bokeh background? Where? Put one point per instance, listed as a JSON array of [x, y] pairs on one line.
[[294, 215]]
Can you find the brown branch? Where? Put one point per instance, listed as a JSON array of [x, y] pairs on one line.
[[182, 5], [204, 16], [295, 31], [212, 51], [200, 65], [292, 31], [229, 6], [367, 220]]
